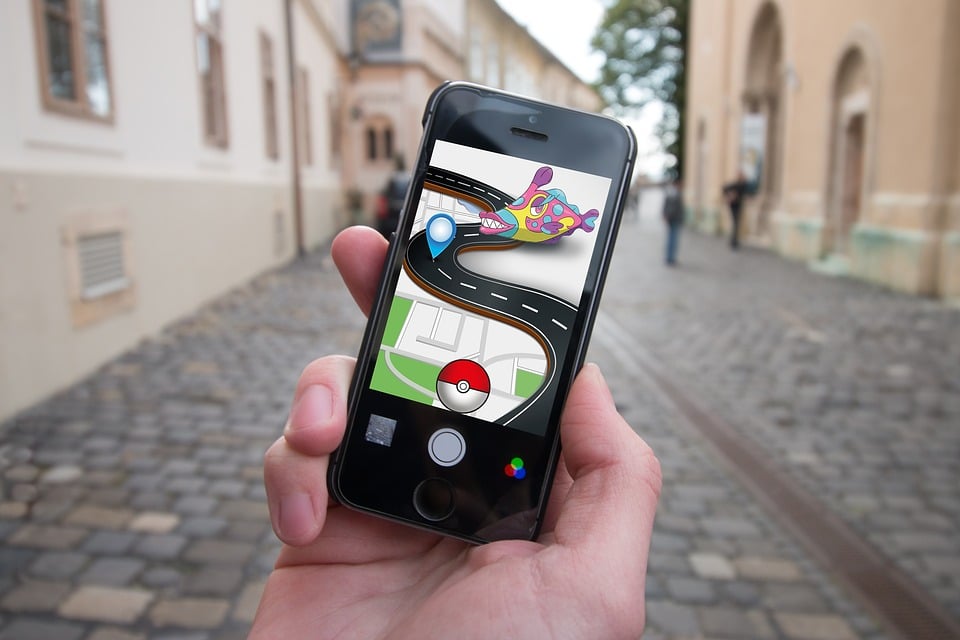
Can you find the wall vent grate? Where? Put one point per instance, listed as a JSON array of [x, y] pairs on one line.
[[102, 269]]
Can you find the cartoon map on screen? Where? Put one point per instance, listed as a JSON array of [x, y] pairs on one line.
[[492, 277]]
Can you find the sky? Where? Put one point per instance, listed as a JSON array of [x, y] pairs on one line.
[[567, 34]]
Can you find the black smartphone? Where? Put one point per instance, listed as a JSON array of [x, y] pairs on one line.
[[488, 297]]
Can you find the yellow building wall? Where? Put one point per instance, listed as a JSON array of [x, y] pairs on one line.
[[903, 234], [949, 266], [708, 112]]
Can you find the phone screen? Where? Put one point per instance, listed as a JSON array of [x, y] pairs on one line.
[[488, 296], [482, 320]]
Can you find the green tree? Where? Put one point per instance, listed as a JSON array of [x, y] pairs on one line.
[[645, 47]]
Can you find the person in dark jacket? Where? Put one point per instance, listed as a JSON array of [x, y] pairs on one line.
[[673, 216], [734, 193]]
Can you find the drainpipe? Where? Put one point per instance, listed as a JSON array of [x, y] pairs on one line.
[[294, 131]]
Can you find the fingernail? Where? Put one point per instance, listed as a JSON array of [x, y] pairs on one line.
[[601, 380], [314, 408], [594, 369], [297, 517]]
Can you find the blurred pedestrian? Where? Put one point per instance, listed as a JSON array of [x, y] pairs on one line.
[[673, 216], [734, 193]]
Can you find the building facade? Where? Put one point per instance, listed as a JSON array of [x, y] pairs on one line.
[[155, 154], [846, 118], [145, 167], [399, 51], [499, 52]]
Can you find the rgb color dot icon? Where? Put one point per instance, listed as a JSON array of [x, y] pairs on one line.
[[515, 469]]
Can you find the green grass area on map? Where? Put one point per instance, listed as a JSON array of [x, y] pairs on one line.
[[399, 311], [527, 383], [414, 370]]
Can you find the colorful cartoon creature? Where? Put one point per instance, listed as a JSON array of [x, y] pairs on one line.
[[539, 215]]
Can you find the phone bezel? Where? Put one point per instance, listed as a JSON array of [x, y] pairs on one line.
[[482, 118]]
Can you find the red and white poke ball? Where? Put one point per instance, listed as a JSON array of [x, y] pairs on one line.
[[463, 386]]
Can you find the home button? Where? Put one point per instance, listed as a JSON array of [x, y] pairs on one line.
[[433, 499]]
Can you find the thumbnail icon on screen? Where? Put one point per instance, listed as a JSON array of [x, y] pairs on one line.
[[380, 430]]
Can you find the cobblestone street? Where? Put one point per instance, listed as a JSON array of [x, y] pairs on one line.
[[132, 504], [853, 390]]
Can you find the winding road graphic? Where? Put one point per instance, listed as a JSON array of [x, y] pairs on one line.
[[548, 318]]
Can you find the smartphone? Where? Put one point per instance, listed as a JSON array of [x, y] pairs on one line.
[[488, 296]]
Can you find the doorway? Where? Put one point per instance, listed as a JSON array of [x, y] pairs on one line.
[[762, 101], [849, 210], [846, 180]]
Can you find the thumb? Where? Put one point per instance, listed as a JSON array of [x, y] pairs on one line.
[[610, 507]]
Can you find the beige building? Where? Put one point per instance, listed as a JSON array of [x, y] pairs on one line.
[[397, 54], [499, 52], [400, 51], [154, 154], [848, 116], [146, 166]]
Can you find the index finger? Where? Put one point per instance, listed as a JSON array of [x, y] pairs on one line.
[[359, 253]]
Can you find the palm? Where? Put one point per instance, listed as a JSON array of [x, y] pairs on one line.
[[382, 578]]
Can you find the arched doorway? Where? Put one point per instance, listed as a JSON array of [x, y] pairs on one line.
[[762, 108], [850, 119]]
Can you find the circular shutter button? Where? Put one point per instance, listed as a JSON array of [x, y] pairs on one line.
[[446, 447]]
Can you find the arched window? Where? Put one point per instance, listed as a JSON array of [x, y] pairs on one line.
[[371, 144], [388, 142], [379, 139]]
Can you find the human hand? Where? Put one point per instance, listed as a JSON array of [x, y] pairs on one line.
[[345, 574]]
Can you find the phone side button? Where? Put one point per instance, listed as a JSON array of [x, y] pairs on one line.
[[433, 499]]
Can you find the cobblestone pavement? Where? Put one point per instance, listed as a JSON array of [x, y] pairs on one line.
[[720, 567], [853, 389], [131, 505]]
